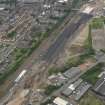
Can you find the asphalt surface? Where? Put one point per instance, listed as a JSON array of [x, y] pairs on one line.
[[69, 31]]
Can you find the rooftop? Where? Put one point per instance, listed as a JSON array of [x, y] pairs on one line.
[[67, 91], [72, 72], [88, 10], [100, 86], [60, 101]]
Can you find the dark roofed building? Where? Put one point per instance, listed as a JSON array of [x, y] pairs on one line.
[[72, 72]]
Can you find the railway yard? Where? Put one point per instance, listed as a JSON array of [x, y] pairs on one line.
[[37, 38], [24, 28]]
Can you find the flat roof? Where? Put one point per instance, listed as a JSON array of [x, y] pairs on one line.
[[60, 101], [81, 90], [20, 75], [72, 72], [62, 1], [71, 87], [2, 9], [88, 10], [31, 1], [2, 6], [100, 86]]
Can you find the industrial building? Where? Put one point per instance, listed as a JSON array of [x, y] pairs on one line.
[[57, 80], [71, 87], [88, 10], [100, 86], [2, 7], [74, 71], [20, 76], [81, 90], [60, 101]]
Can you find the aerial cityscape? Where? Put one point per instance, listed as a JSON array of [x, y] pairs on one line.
[[52, 52]]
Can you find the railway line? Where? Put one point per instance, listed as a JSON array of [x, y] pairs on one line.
[[68, 32]]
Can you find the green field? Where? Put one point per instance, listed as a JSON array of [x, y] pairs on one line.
[[90, 99], [97, 23]]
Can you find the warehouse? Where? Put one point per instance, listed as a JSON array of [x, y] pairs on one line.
[[81, 90], [20, 75], [100, 86], [71, 73], [71, 87], [63, 1], [88, 10], [2, 7], [60, 101], [57, 80]]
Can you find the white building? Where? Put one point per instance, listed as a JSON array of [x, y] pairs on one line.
[[20, 76], [60, 101], [88, 10], [63, 1]]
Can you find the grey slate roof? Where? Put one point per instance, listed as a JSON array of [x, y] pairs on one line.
[[72, 72]]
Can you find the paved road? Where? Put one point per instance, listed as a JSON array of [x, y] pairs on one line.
[[68, 32]]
